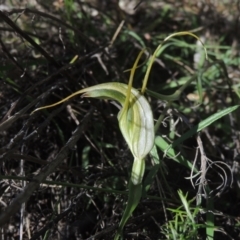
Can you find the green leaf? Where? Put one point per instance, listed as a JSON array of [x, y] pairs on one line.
[[203, 124], [171, 153]]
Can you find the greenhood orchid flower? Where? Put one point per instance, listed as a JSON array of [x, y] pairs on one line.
[[135, 120]]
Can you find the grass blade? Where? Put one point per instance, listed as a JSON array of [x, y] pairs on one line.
[[203, 124]]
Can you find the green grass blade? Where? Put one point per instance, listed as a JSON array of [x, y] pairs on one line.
[[210, 217], [136, 36], [170, 152], [203, 124], [186, 205]]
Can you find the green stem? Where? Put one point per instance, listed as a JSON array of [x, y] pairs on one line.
[[134, 196]]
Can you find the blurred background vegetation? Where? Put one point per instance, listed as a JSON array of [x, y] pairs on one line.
[[50, 49]]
